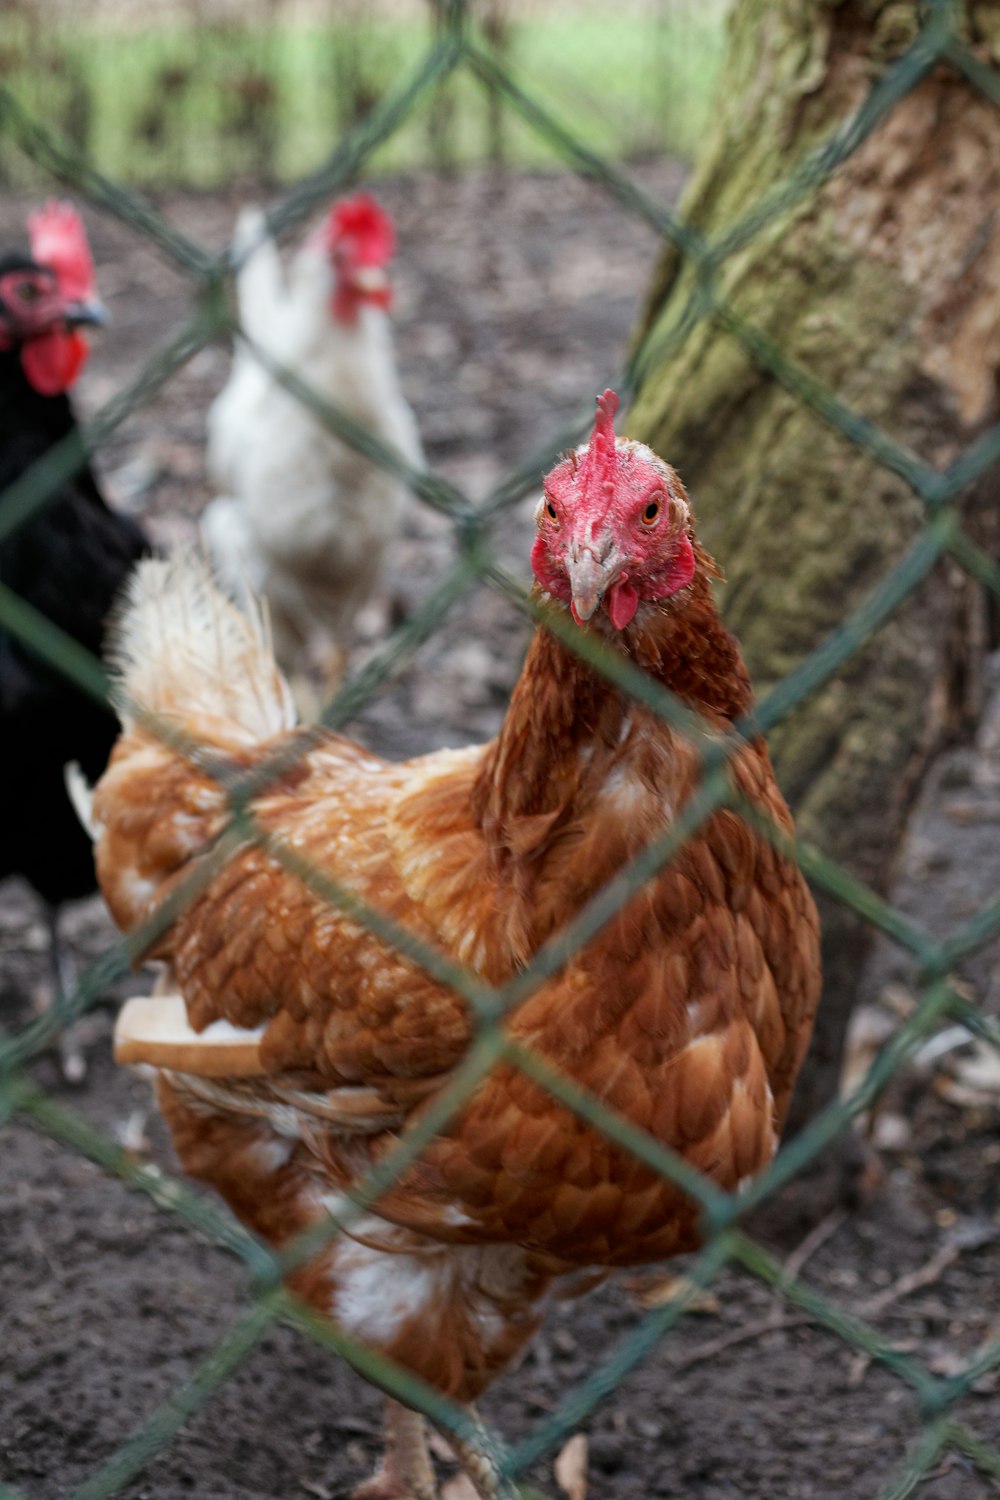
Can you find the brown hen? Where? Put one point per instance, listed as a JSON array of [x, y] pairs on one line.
[[295, 1044]]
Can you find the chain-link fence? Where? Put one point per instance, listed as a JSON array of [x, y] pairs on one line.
[[458, 47]]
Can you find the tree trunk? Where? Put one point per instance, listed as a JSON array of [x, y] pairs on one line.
[[884, 285]]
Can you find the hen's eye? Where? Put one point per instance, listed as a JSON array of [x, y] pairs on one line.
[[27, 291], [550, 510], [651, 514]]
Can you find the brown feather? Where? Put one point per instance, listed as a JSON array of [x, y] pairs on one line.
[[689, 1012]]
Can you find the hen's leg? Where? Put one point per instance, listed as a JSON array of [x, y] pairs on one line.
[[314, 691], [406, 1472], [478, 1455], [74, 1066], [331, 659]]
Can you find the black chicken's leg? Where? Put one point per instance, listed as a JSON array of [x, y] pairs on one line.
[[64, 982]]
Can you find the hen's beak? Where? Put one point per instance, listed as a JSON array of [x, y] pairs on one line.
[[92, 311], [589, 579], [370, 278]]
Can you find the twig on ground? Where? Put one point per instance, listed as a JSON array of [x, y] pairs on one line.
[[871, 1307], [816, 1237], [913, 1281], [711, 1347]]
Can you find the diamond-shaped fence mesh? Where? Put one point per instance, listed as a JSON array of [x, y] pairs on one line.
[[457, 47]]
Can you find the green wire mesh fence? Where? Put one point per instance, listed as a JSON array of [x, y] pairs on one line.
[[725, 1243]]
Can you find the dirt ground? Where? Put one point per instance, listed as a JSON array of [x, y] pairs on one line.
[[514, 298]]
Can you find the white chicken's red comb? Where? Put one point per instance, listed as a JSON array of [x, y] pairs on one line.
[[363, 221], [58, 240]]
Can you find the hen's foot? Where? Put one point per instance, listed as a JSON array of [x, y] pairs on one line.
[[480, 1459], [406, 1472], [385, 1485]]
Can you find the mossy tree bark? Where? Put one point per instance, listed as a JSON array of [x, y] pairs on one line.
[[884, 285]]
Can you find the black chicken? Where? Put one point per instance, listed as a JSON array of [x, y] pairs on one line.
[[68, 560]]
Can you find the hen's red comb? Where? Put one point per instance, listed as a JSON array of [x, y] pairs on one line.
[[599, 466], [58, 240], [367, 225]]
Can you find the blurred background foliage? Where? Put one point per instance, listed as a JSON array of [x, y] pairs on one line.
[[199, 93]]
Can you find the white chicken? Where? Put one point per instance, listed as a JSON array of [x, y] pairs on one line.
[[301, 517]]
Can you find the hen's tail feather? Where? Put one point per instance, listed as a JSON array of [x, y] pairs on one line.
[[81, 797], [181, 649]]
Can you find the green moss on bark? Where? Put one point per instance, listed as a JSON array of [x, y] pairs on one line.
[[804, 522]]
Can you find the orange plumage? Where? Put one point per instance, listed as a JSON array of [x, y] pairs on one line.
[[688, 1013]]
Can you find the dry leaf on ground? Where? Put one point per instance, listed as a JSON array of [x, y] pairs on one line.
[[571, 1467], [659, 1289]]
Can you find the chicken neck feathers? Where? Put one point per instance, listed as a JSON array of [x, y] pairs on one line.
[[68, 561]]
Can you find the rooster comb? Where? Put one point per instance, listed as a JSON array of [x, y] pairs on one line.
[[600, 461], [367, 224], [59, 240]]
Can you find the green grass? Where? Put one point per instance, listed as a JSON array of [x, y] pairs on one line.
[[171, 104]]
